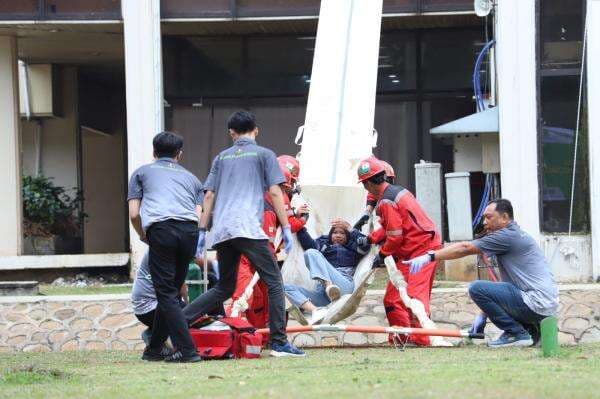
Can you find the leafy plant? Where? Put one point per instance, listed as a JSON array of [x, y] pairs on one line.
[[49, 210]]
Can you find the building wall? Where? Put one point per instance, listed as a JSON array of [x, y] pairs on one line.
[[59, 137]]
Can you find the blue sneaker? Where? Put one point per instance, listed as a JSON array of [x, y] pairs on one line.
[[506, 340], [278, 350]]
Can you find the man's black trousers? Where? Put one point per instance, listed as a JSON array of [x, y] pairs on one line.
[[261, 257], [172, 247]]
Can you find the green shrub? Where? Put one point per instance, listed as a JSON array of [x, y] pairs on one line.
[[49, 210]]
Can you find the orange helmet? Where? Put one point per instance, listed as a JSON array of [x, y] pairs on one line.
[[389, 171], [291, 164], [368, 168]]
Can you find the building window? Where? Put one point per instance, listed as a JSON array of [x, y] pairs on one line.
[[560, 43]]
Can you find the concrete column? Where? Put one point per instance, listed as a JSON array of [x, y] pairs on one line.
[[143, 76], [516, 67], [10, 149], [593, 104]]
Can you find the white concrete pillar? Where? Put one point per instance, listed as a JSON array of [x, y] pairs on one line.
[[143, 79], [10, 149], [341, 102], [516, 67], [593, 104]]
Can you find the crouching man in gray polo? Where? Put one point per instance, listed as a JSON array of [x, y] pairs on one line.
[[236, 185], [527, 293]]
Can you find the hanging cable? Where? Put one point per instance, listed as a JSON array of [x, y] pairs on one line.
[[571, 204], [476, 76]]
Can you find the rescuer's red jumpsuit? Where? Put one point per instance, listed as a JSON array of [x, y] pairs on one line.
[[406, 232]]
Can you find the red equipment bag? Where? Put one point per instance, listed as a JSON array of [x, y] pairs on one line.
[[226, 338]]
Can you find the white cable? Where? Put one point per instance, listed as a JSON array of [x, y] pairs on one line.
[[577, 128]]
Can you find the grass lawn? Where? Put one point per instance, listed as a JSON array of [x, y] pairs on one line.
[[466, 372], [47, 289]]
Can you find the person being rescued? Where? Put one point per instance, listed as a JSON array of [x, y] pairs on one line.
[[258, 303], [331, 260]]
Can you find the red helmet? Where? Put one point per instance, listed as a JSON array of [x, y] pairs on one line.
[[389, 171], [291, 164], [368, 168], [289, 180]]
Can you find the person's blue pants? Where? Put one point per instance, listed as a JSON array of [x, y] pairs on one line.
[[319, 269], [503, 304]]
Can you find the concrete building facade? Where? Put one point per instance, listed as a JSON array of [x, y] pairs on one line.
[[125, 70]]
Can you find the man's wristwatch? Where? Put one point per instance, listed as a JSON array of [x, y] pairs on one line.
[[431, 255]]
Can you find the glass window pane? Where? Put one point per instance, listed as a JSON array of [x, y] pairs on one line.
[[203, 67], [19, 9], [267, 8], [446, 5], [448, 58], [195, 8], [89, 9], [399, 6], [561, 32], [558, 103], [288, 74], [397, 63]]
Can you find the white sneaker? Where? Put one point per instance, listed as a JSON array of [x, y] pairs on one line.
[[333, 292], [318, 315]]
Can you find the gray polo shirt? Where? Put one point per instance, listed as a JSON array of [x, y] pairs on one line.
[[167, 190], [143, 295], [523, 264], [239, 176]]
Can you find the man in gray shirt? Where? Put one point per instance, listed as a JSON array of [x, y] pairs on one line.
[[164, 207], [528, 291], [236, 186]]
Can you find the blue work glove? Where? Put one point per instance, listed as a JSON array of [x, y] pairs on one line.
[[378, 261], [478, 324], [363, 241], [201, 242], [361, 222], [287, 238], [416, 264]]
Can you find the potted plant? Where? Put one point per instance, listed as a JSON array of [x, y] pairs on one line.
[[52, 218]]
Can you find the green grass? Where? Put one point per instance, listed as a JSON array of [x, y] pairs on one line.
[[46, 289], [465, 372]]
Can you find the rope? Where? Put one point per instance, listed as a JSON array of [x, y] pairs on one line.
[[571, 204]]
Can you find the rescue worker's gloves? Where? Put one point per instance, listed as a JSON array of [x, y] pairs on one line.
[[378, 261], [363, 241], [287, 238], [201, 242], [361, 222], [478, 324], [416, 264]]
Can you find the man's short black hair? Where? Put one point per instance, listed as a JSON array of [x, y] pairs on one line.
[[503, 206], [379, 178], [241, 122], [167, 144]]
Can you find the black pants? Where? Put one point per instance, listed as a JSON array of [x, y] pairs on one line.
[[259, 254], [172, 246], [147, 319]]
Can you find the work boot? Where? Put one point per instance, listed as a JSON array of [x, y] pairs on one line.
[[179, 357], [156, 355], [333, 292]]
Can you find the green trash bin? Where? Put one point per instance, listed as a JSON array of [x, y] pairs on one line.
[[194, 281]]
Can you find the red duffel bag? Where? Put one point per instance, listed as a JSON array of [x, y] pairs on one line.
[[226, 338]]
